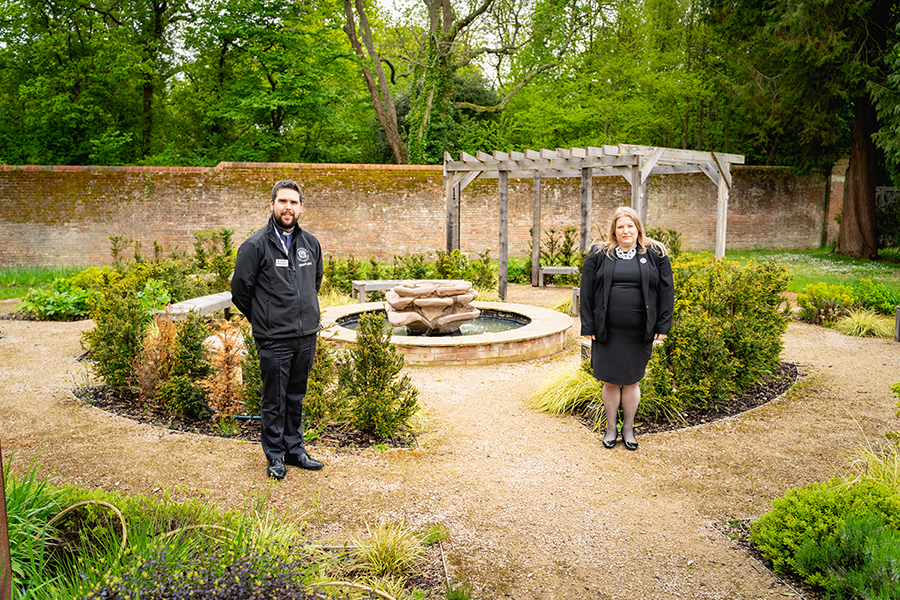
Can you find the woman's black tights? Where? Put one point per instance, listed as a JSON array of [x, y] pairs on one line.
[[626, 396]]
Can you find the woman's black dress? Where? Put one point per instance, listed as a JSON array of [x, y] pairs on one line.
[[622, 358]]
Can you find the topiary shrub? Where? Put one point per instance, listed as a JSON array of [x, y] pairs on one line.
[[120, 323], [816, 513], [383, 402], [726, 334], [323, 404]]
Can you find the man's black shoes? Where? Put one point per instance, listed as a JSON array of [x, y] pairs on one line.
[[276, 468], [302, 460]]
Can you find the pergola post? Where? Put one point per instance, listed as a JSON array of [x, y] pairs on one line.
[[586, 189], [636, 187], [504, 239], [536, 232], [450, 189], [721, 216]]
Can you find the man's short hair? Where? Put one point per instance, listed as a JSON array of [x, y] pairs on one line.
[[289, 184]]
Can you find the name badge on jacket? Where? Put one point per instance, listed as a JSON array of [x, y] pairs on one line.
[[281, 262]]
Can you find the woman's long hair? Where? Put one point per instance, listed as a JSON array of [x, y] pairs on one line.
[[643, 242]]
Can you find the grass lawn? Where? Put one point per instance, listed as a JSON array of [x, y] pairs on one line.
[[814, 266]]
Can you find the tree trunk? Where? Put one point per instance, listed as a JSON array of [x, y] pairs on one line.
[[857, 236], [376, 83]]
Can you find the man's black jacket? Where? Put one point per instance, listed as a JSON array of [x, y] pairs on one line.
[[278, 291]]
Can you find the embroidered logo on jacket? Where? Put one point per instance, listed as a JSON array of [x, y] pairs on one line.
[[303, 257]]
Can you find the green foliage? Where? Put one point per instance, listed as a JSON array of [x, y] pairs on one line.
[[383, 401], [184, 397], [412, 266], [215, 253], [670, 238], [560, 250], [726, 334], [518, 270], [865, 323], [30, 503], [875, 295], [252, 376], [15, 282], [120, 322], [823, 303], [60, 302], [322, 404], [861, 560], [816, 513], [182, 392], [457, 265]]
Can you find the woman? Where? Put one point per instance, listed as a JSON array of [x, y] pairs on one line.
[[627, 297]]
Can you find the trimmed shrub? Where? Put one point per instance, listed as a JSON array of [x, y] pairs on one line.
[[120, 323], [383, 402], [726, 334], [816, 513]]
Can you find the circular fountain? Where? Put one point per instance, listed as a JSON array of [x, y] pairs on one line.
[[501, 332]]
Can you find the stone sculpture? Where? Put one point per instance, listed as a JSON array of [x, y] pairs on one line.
[[431, 307]]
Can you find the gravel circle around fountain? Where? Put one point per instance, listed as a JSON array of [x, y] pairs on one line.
[[535, 506]]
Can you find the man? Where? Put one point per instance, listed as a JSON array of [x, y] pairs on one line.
[[276, 282]]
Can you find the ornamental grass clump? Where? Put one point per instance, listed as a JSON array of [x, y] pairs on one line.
[[865, 323], [390, 549], [566, 392]]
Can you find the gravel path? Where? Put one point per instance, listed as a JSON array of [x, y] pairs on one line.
[[536, 506]]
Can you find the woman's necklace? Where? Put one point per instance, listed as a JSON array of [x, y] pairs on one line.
[[626, 255]]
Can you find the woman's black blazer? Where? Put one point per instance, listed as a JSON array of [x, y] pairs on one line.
[[656, 283]]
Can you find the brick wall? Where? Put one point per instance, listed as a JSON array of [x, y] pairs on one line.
[[65, 215]]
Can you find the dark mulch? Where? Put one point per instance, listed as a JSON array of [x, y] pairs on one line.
[[768, 389], [738, 531], [337, 436]]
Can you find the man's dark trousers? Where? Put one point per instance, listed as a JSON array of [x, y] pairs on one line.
[[284, 366]]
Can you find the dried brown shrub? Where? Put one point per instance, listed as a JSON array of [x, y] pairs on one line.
[[225, 385], [155, 360]]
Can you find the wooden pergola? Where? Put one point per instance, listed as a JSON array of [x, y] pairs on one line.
[[634, 163]]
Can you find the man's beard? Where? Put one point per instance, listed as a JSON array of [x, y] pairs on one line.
[[280, 222]]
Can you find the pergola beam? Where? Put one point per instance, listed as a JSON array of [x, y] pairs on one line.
[[635, 163]]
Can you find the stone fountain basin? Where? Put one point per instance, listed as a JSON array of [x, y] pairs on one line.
[[543, 336]]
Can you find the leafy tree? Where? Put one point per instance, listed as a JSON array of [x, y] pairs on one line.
[[808, 69], [450, 40]]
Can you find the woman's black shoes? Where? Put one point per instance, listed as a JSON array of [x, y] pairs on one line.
[[610, 443], [629, 445]]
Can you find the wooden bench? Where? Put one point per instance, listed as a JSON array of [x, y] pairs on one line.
[[555, 271], [359, 287], [202, 306]]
